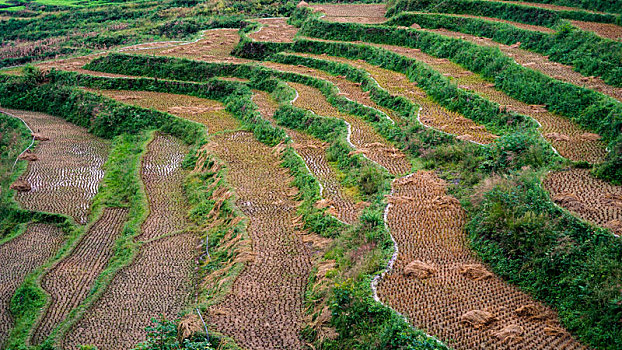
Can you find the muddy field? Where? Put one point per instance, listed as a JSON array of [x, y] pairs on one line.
[[69, 282], [440, 286], [591, 199], [20, 256], [65, 176], [159, 281]]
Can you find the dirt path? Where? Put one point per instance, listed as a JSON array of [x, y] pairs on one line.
[[20, 256], [274, 30], [362, 135], [264, 309], [70, 281], [567, 137], [591, 199], [340, 203], [437, 282], [431, 114], [159, 280], [541, 63], [66, 175]]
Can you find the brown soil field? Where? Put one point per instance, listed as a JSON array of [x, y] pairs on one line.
[[215, 46], [339, 202], [274, 30], [431, 114], [66, 176], [347, 88], [440, 285], [163, 178], [70, 281], [541, 63], [591, 199], [264, 308], [207, 112], [547, 6], [159, 281], [20, 256], [569, 139], [360, 13], [75, 65], [363, 136], [606, 30]]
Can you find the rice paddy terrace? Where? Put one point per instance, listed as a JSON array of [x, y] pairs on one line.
[[416, 174]]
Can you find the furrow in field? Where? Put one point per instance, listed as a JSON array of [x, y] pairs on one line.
[[440, 285], [20, 256], [274, 30], [359, 13], [159, 280], [340, 203], [593, 200], [605, 30], [264, 308], [567, 137], [431, 114], [70, 281], [540, 63], [362, 136], [65, 176]]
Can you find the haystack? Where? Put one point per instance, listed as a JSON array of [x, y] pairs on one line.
[[31, 157], [532, 312], [554, 331], [415, 26], [324, 203], [588, 136], [510, 333], [419, 269], [21, 186], [39, 137], [188, 326], [474, 272], [478, 318], [557, 136], [302, 4]]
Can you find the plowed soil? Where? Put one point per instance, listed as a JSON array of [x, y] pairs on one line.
[[591, 199], [66, 176], [340, 203], [274, 30], [431, 114], [541, 63], [208, 112], [606, 30], [264, 309], [159, 280], [359, 13], [440, 285], [363, 136], [20, 256], [70, 281], [567, 137]]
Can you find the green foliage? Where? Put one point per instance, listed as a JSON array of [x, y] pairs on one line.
[[162, 335], [554, 256], [597, 5], [503, 10], [588, 53]]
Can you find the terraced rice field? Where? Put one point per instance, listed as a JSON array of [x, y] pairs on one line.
[[515, 24], [431, 114], [66, 175], [21, 256], [340, 203], [606, 30], [69, 281], [360, 13], [264, 309], [591, 199], [541, 63], [215, 46], [566, 136], [362, 136], [274, 30], [160, 279], [208, 112], [439, 284]]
